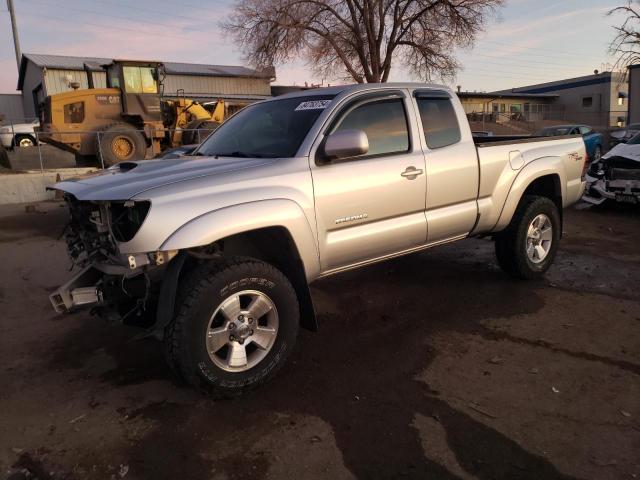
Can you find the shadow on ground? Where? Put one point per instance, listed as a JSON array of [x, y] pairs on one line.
[[358, 374]]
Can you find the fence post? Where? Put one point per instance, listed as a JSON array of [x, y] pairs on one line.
[[199, 141], [100, 149], [39, 145]]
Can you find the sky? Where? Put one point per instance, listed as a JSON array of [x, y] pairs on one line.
[[528, 41]]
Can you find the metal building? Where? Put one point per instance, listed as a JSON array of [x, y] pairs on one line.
[[43, 75], [599, 100], [11, 109]]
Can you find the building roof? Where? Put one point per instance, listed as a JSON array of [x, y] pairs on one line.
[[498, 95], [568, 83], [65, 62]]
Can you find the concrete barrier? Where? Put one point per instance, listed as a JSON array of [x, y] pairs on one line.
[[31, 186]]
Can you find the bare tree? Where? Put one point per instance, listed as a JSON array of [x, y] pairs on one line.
[[360, 39], [626, 44]]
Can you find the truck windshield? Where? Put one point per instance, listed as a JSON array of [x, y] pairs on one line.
[[272, 129]]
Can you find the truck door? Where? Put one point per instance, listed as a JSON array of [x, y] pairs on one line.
[[451, 164], [371, 205]]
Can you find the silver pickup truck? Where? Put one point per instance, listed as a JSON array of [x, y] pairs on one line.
[[217, 249]]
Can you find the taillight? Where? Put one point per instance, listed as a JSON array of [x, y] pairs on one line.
[[585, 167]]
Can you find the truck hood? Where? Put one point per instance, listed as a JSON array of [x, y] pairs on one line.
[[632, 152], [128, 179]]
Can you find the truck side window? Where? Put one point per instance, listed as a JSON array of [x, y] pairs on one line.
[[74, 112], [384, 122], [439, 122]]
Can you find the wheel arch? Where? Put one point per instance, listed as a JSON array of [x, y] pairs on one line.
[[544, 177], [274, 231]]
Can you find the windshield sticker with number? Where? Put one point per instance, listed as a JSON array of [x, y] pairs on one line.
[[313, 105]]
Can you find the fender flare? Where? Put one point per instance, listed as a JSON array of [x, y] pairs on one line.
[[540, 167], [251, 216], [245, 217]]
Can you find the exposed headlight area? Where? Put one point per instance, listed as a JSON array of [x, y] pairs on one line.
[[127, 217], [87, 233]]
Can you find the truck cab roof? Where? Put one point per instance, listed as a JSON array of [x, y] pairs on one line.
[[360, 87]]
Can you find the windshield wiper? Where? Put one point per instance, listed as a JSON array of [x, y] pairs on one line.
[[238, 154]]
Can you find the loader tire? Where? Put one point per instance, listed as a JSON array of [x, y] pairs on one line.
[[197, 131], [119, 142], [226, 360], [527, 247]]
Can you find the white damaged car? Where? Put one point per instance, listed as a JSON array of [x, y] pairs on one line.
[[616, 176]]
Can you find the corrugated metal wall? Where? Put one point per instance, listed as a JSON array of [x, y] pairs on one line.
[[57, 81], [216, 85], [11, 108]]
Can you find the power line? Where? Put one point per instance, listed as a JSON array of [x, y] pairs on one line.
[[149, 10], [522, 47], [110, 27], [93, 12]]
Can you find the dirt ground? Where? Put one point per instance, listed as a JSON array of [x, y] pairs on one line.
[[432, 366]]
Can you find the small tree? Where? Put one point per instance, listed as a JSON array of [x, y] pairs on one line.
[[360, 39], [626, 44]]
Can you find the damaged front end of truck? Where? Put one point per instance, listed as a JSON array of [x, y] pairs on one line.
[[116, 286], [615, 176]]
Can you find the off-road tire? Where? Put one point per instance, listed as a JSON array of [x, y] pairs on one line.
[[201, 291], [106, 136], [511, 243], [192, 136]]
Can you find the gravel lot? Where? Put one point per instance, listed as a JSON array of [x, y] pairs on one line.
[[431, 366]]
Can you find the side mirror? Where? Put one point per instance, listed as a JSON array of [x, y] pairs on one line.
[[346, 143]]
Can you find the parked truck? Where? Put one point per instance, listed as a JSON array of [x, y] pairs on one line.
[[218, 248]]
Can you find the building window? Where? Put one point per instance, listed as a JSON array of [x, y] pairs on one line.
[[621, 96], [587, 102]]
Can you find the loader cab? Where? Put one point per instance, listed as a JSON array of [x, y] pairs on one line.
[[141, 87]]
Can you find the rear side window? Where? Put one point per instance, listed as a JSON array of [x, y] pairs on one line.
[[439, 122], [384, 122], [74, 112]]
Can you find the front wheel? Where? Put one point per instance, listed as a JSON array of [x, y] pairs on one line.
[[527, 247], [236, 323]]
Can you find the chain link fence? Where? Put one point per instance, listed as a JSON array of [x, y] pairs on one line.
[[31, 149]]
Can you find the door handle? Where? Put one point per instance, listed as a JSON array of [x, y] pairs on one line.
[[411, 173]]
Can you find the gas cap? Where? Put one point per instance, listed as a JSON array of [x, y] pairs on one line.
[[516, 160]]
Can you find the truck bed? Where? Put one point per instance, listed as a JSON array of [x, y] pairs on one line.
[[515, 139]]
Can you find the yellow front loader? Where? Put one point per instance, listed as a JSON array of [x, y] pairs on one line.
[[128, 120]]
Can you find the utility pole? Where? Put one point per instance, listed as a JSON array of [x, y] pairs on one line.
[[14, 27]]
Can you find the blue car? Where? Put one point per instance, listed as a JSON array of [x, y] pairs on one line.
[[592, 139]]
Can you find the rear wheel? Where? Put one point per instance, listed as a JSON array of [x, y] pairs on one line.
[[119, 143], [236, 323], [25, 141], [527, 247]]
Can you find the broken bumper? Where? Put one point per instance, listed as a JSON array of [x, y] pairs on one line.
[[599, 190], [81, 291]]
